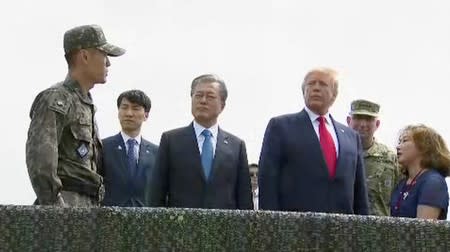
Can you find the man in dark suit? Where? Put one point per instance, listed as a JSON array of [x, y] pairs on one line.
[[310, 162], [201, 165], [127, 157]]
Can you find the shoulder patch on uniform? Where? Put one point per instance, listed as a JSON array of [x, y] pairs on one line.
[[58, 102], [59, 105]]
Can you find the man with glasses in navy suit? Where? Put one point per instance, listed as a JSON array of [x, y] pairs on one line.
[[201, 165]]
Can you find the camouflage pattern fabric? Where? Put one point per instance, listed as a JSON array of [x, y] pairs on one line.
[[382, 174], [89, 36], [78, 200], [364, 107], [43, 228], [63, 141]]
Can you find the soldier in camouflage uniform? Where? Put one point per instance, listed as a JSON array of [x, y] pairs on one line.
[[382, 170], [63, 147]]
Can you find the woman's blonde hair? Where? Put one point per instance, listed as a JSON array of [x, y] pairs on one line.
[[431, 145]]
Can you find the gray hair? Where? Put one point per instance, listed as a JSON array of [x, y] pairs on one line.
[[210, 78]]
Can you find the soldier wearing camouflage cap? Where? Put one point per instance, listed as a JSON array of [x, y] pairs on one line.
[[382, 173], [63, 147]]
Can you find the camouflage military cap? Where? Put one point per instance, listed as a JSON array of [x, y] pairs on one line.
[[89, 36], [364, 107]]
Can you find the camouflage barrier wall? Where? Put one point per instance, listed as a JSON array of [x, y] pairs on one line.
[[29, 228]]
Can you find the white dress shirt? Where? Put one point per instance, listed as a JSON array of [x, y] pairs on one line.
[[330, 127], [256, 199], [200, 138]]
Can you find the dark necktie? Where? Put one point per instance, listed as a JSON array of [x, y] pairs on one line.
[[132, 156], [207, 153], [328, 147]]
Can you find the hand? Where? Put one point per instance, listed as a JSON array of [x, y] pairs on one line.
[[60, 201]]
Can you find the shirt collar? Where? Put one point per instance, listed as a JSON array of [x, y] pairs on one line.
[[75, 86], [372, 149], [199, 129], [313, 116], [126, 137]]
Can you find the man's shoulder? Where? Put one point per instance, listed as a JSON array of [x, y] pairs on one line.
[[110, 139], [149, 144], [380, 149], [230, 135], [287, 120], [58, 89], [110, 143], [288, 117], [179, 131], [55, 98]]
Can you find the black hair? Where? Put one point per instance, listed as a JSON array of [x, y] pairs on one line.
[[135, 96]]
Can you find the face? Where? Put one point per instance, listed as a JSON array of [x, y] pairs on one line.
[[254, 177], [131, 116], [206, 103], [365, 125], [407, 151], [319, 92], [97, 63]]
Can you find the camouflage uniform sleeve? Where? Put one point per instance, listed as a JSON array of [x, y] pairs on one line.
[[47, 123], [398, 175]]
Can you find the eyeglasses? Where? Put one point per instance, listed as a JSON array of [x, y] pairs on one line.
[[208, 96]]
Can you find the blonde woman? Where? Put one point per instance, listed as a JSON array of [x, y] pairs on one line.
[[424, 160]]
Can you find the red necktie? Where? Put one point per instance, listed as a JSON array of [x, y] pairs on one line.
[[328, 147]]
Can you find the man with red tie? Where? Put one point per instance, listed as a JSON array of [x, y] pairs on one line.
[[309, 162]]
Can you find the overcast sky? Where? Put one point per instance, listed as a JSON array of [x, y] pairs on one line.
[[396, 53]]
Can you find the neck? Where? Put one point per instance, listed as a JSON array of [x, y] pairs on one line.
[[320, 112], [367, 143], [414, 169], [132, 133], [85, 84], [205, 124]]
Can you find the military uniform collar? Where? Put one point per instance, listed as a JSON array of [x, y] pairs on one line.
[[372, 150], [73, 85]]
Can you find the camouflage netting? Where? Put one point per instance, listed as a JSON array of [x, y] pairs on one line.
[[28, 228]]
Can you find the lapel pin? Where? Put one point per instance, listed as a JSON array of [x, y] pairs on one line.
[[225, 141], [146, 151], [342, 130], [119, 147]]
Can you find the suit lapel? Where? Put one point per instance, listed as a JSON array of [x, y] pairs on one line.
[[312, 138], [120, 155], [190, 139], [342, 141], [145, 156], [222, 147]]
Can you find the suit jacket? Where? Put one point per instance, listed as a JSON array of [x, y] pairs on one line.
[[293, 175], [179, 181], [120, 188]]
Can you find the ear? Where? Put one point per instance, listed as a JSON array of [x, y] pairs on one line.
[[84, 55], [349, 120], [146, 115], [377, 123]]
